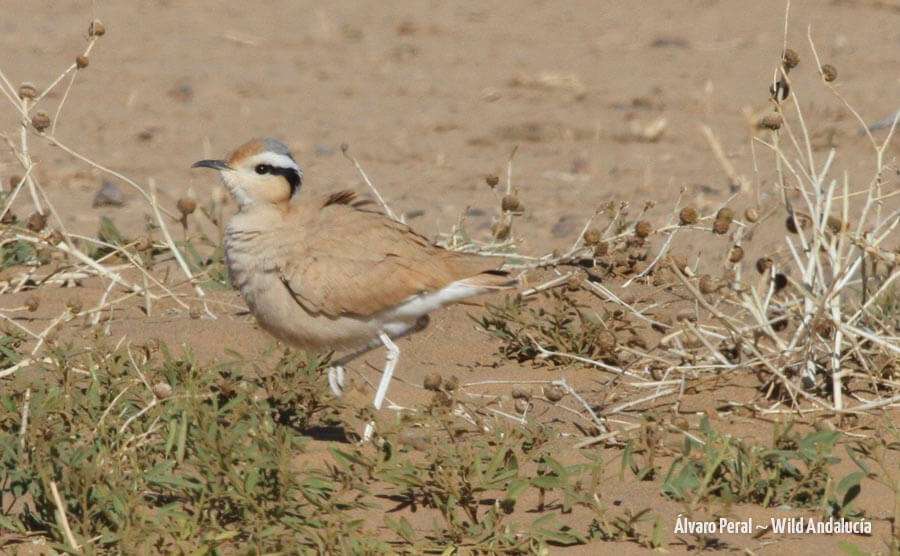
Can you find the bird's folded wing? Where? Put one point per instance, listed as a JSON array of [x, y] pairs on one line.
[[353, 262]]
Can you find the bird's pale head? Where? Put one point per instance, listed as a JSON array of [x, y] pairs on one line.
[[259, 171]]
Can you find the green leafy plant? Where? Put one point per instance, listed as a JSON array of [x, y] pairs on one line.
[[794, 472], [561, 324], [161, 454]]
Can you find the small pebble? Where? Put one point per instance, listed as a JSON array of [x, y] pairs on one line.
[[109, 195]]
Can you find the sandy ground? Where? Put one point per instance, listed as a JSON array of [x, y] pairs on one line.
[[431, 97]]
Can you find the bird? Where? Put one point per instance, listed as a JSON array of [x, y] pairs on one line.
[[331, 271]]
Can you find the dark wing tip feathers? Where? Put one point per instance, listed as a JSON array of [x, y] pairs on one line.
[[346, 197]]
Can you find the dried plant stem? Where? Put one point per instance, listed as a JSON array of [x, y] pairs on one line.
[[23, 427], [387, 209], [176, 253], [15, 191], [11, 95], [599, 364], [716, 147], [26, 160], [63, 520], [550, 284], [571, 391], [94, 265]]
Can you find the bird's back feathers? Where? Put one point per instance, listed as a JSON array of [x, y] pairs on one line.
[[342, 257]]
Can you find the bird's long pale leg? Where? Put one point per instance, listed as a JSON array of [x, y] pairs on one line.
[[336, 370], [393, 354], [336, 380]]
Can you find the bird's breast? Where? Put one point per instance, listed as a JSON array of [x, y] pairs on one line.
[[250, 259]]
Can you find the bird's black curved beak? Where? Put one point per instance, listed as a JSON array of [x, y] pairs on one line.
[[214, 164]]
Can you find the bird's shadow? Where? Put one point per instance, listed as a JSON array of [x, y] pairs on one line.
[[328, 433]]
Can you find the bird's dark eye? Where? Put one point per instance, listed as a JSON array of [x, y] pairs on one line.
[[263, 169]]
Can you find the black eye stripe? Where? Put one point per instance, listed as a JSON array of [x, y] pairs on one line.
[[290, 174]]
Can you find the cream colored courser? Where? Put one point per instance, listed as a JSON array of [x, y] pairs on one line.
[[322, 272]]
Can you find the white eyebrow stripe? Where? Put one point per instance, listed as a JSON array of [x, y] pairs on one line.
[[275, 159]]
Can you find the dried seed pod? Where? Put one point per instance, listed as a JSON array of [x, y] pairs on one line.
[[822, 327], [688, 216], [720, 226], [194, 312], [778, 320], [792, 220], [680, 261], [638, 255], [780, 281], [441, 399], [492, 180], [751, 215], [771, 121], [730, 351], [186, 206], [606, 341], [8, 218], [834, 224], [55, 237], [522, 406], [829, 72], [82, 61], [40, 120], [162, 390], [763, 264], [74, 305], [451, 383], [790, 224], [96, 29], [144, 244], [27, 90], [14, 181], [510, 203], [725, 213], [780, 89], [736, 254], [500, 230], [554, 393], [643, 229], [520, 392], [708, 284], [32, 303], [592, 237], [573, 284], [790, 59], [433, 382], [601, 249], [36, 222]]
